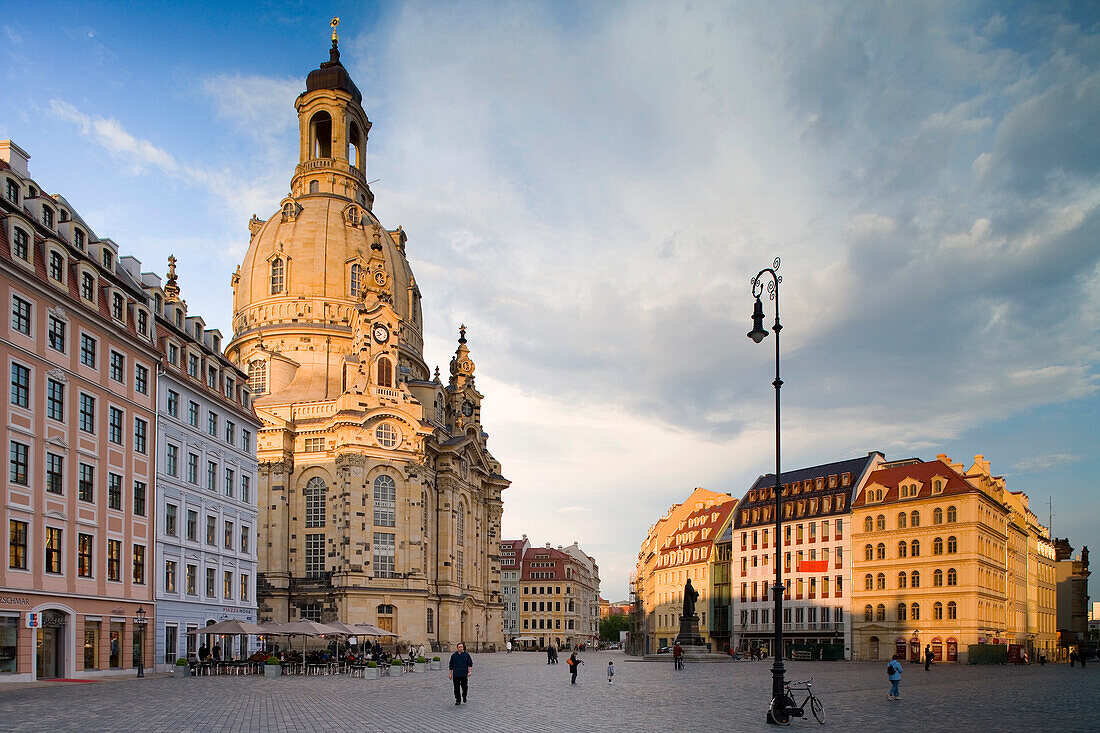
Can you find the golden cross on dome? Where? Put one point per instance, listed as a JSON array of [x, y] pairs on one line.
[[335, 38]]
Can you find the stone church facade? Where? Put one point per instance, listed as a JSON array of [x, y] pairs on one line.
[[379, 500]]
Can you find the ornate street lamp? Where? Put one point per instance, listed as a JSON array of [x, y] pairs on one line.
[[777, 711], [139, 628], [477, 637]]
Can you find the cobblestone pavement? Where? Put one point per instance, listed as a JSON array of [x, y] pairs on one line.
[[520, 692]]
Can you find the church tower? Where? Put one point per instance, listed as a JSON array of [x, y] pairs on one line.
[[379, 500]]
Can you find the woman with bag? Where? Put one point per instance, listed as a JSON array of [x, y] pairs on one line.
[[574, 667]]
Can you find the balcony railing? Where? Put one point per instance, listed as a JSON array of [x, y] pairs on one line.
[[316, 164]]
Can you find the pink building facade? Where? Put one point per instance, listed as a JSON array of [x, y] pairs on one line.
[[77, 345]]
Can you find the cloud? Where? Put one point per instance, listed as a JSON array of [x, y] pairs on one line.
[[573, 509], [256, 105], [1042, 462]]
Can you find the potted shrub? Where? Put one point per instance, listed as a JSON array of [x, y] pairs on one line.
[[272, 668], [437, 663], [421, 664], [183, 668], [371, 672]]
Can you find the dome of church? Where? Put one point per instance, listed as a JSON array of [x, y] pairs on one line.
[[333, 75]]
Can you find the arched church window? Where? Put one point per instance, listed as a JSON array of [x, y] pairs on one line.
[[355, 281], [257, 376], [320, 128], [460, 525], [354, 145], [315, 502], [314, 187], [385, 373], [278, 276], [385, 501]]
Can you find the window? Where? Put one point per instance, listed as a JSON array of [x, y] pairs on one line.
[[355, 281], [914, 579], [192, 525], [169, 576], [230, 482], [257, 376], [868, 525], [12, 192], [86, 483], [87, 350], [245, 532], [211, 529], [84, 555], [901, 612], [21, 245], [53, 550], [47, 217], [57, 266], [172, 460], [227, 584], [880, 522], [142, 322], [19, 463], [139, 498], [880, 551], [173, 354], [21, 315], [914, 612], [118, 366], [914, 519], [278, 276], [212, 377], [114, 425], [952, 577], [20, 385], [193, 414], [315, 502], [952, 610], [868, 552], [937, 515], [246, 488], [55, 400], [192, 580], [951, 514], [385, 501], [193, 366], [17, 544], [170, 512], [880, 581], [56, 334], [914, 548], [431, 620], [210, 582], [211, 476], [87, 286], [903, 579], [952, 545], [880, 612], [315, 555], [937, 611], [192, 468], [141, 379], [245, 585], [87, 413], [212, 423], [228, 535], [246, 440], [937, 546], [117, 306], [114, 491], [385, 373], [114, 560], [78, 239], [903, 548], [55, 473], [230, 432], [937, 578], [901, 520], [386, 435], [315, 445], [384, 554]]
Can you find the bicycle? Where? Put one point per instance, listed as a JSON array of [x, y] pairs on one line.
[[783, 709]]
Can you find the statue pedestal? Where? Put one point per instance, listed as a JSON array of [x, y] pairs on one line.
[[689, 632]]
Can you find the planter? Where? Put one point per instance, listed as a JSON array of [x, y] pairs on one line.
[[421, 666], [437, 665], [370, 673], [273, 670], [182, 670]]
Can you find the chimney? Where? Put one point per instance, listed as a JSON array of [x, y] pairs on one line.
[[14, 156]]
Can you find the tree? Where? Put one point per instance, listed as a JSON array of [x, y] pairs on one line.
[[612, 625]]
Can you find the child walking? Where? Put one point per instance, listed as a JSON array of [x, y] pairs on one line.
[[610, 671]]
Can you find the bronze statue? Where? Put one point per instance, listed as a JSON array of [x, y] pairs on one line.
[[690, 597]]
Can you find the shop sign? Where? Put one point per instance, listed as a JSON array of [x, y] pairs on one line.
[[34, 620], [14, 601]]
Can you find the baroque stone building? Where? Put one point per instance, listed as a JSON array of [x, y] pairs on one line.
[[379, 500]]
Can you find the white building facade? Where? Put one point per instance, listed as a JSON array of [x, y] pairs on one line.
[[206, 486]]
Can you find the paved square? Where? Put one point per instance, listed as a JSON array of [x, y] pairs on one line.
[[520, 692]]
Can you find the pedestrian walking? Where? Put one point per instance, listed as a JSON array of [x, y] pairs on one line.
[[1042, 657], [928, 657], [549, 655], [574, 667], [677, 656], [1072, 658], [610, 671], [893, 669], [461, 665], [509, 645]]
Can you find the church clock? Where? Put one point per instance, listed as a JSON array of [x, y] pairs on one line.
[[381, 333], [467, 408]]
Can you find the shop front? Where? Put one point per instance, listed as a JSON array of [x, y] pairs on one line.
[[44, 638], [176, 618]]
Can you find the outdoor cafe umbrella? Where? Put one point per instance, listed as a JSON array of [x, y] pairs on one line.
[[372, 630], [232, 626], [301, 627]]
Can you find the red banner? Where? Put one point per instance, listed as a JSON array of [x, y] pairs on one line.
[[813, 566]]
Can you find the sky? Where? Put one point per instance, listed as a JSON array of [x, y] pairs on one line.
[[590, 188]]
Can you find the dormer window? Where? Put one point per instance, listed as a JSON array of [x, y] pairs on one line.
[[78, 239], [158, 303], [212, 378], [217, 342], [22, 248], [142, 322], [108, 259], [193, 366], [173, 353], [179, 318], [198, 331], [12, 191], [937, 486], [87, 286], [278, 276], [257, 376], [47, 217], [117, 304], [57, 266], [355, 280]]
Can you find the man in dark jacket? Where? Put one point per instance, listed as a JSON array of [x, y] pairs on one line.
[[460, 665]]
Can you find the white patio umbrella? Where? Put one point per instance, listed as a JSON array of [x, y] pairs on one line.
[[372, 630], [232, 626]]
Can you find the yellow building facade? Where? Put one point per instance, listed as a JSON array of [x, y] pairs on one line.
[[946, 557], [379, 499], [679, 546]]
